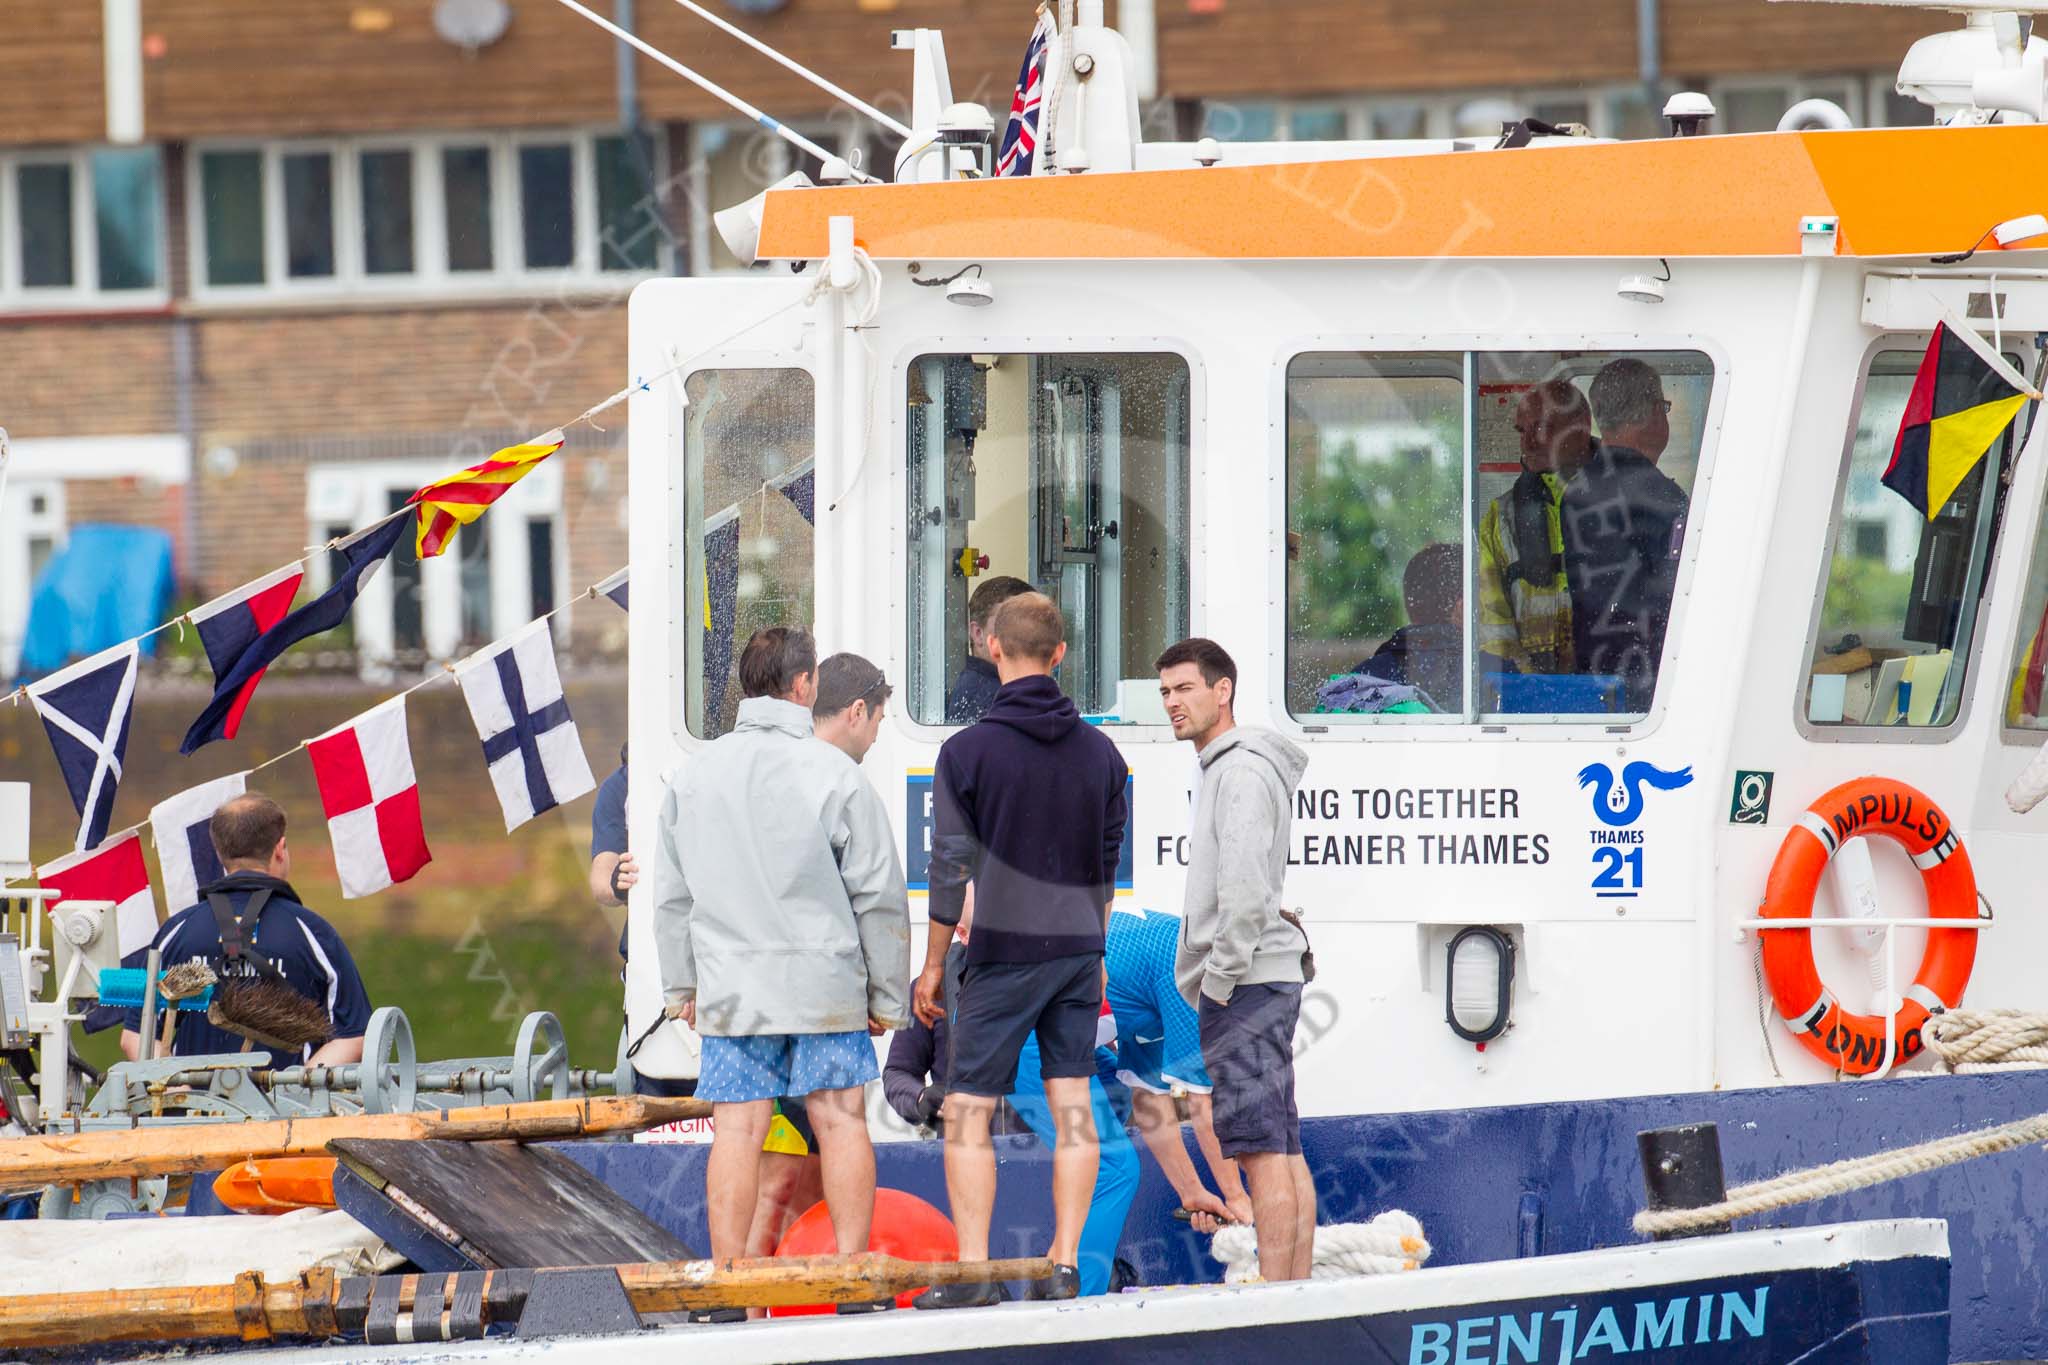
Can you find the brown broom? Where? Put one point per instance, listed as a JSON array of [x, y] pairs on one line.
[[267, 1010]]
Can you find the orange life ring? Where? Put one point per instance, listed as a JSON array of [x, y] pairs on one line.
[[1855, 1043]]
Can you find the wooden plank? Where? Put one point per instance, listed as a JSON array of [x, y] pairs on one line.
[[251, 1310], [125, 1153], [511, 1205]]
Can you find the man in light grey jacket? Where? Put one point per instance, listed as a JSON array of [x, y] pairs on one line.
[[783, 928], [1243, 958]]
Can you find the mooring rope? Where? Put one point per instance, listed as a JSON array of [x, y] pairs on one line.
[[1988, 1040], [1391, 1242], [1855, 1173]]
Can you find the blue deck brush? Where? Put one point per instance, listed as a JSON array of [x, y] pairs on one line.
[[122, 987]]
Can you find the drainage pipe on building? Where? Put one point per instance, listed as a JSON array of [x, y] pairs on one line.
[[1650, 51]]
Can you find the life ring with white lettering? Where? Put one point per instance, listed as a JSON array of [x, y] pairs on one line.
[[1855, 1043]]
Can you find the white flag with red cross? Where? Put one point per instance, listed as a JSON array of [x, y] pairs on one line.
[[372, 800]]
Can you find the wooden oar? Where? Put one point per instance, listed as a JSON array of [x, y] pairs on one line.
[[126, 1153], [251, 1310]]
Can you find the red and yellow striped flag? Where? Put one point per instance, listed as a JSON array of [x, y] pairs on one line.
[[449, 504]]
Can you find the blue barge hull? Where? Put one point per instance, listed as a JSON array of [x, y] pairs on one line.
[[1497, 1184]]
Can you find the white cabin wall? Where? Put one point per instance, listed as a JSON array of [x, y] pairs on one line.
[[1656, 998]]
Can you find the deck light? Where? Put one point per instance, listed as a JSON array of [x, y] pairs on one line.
[[971, 291], [1479, 983], [1645, 288]]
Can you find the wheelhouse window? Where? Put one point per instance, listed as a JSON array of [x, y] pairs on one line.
[[748, 451], [81, 228], [1070, 473], [1903, 584], [1490, 536]]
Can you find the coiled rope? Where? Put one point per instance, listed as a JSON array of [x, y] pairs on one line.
[[1391, 1242], [1840, 1177], [1988, 1040]]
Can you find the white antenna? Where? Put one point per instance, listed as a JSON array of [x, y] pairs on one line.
[[715, 90], [843, 96]]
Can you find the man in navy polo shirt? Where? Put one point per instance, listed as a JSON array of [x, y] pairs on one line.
[[258, 901], [1028, 805]]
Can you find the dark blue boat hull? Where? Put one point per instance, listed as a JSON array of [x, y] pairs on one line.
[[1494, 1184]]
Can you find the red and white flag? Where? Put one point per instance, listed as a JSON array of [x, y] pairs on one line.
[[372, 800], [114, 871]]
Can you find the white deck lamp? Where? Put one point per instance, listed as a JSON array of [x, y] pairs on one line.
[[1479, 983]]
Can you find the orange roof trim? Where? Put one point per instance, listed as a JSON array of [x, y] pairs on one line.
[[1897, 191]]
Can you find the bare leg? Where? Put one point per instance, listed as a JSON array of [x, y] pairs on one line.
[[1273, 1209], [733, 1174], [1305, 1217], [971, 1171], [1075, 1158], [847, 1158], [790, 1184]]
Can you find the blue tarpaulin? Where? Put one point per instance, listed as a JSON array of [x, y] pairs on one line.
[[108, 584]]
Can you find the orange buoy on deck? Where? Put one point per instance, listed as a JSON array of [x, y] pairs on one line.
[[904, 1226], [277, 1184]]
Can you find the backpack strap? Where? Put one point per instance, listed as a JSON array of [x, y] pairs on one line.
[[232, 947]]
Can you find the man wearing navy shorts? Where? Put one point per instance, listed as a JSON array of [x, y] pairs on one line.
[[1028, 805], [782, 924], [1242, 958]]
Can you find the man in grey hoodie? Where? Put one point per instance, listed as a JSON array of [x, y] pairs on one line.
[[1242, 958], [783, 928]]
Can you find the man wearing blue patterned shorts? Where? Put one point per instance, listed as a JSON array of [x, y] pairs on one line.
[[783, 929]]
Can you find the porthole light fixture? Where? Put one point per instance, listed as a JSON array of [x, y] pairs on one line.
[[1479, 983]]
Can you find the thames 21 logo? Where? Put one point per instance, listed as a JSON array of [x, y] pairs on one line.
[[1617, 805]]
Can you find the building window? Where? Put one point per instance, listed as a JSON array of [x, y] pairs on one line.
[[387, 212], [80, 228], [231, 188], [466, 207], [477, 591], [456, 215], [127, 187], [547, 205], [1069, 472], [31, 530], [1486, 537], [748, 445], [1898, 609], [309, 215], [630, 228], [44, 193]]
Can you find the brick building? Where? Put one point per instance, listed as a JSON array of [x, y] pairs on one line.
[[266, 265]]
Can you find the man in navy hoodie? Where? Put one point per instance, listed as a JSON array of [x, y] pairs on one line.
[[1028, 806]]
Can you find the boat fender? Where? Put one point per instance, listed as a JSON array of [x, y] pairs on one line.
[[1855, 1043]]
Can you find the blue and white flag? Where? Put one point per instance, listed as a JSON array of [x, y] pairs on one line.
[[614, 587], [1027, 102], [181, 830], [86, 709], [530, 742]]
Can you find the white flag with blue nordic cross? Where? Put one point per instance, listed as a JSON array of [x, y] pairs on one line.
[[530, 742], [86, 709], [181, 829]]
